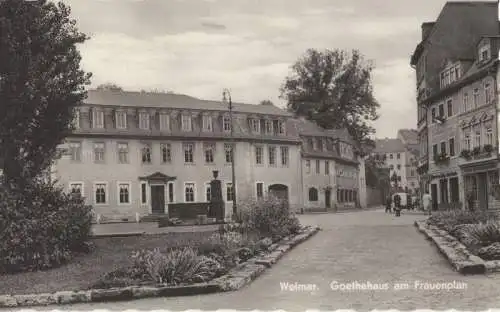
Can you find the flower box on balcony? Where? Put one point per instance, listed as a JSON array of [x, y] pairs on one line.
[[466, 154], [441, 158], [488, 148]]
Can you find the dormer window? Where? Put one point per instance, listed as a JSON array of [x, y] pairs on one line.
[[484, 53], [450, 74], [144, 121], [226, 123]]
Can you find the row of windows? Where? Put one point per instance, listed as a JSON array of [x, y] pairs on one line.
[[147, 120], [470, 102], [327, 144], [101, 195], [469, 141], [326, 171], [343, 196], [389, 155], [188, 149]]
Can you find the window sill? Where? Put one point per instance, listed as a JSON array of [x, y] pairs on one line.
[[104, 204], [209, 163], [189, 164]]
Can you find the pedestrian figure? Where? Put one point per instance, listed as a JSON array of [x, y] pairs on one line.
[[388, 203], [426, 201], [397, 205]]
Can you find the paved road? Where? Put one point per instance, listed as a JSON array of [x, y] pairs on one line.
[[360, 246]]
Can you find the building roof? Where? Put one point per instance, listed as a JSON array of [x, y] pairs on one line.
[[309, 128], [409, 136], [389, 146], [173, 101]]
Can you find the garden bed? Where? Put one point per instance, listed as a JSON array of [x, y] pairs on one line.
[[238, 276], [469, 240]]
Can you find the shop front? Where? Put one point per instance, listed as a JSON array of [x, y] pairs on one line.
[[481, 185]]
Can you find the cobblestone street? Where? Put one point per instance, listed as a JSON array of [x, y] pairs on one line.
[[361, 246]]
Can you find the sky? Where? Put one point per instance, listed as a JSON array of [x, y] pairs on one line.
[[200, 47]]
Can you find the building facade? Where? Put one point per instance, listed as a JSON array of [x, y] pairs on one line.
[[456, 69], [136, 153]]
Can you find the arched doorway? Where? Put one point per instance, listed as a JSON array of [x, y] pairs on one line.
[[280, 191]]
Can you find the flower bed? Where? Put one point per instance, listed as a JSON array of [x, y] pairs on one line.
[[467, 238]]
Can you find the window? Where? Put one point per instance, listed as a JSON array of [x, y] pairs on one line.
[[100, 193], [319, 145], [164, 122], [451, 143], [99, 152], [313, 194], [146, 154], [97, 119], [259, 190], [327, 167], [467, 142], [399, 178], [308, 166], [281, 127], [433, 114], [208, 192], [170, 192], [229, 192], [144, 197], [209, 149], [255, 123], [259, 155], [284, 156], [144, 120], [124, 193], [399, 167], [477, 141], [443, 148], [318, 164], [76, 188], [441, 110], [188, 152], [391, 167], [272, 155], [189, 192], [449, 107], [226, 123], [487, 93], [207, 123], [391, 156], [484, 53], [228, 151], [269, 126], [121, 120], [475, 98], [398, 156], [76, 119], [186, 123], [123, 153], [434, 150], [466, 101], [489, 136], [166, 153], [75, 149]]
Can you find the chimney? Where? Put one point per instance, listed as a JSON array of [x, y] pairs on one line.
[[426, 29]]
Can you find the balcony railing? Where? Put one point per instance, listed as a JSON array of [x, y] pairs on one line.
[[477, 152]]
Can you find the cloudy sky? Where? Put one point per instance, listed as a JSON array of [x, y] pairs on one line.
[[199, 47]]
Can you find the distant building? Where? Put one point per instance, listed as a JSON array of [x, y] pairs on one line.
[[456, 67], [409, 138], [147, 153]]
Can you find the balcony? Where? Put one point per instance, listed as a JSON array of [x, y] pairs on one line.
[[442, 159], [478, 153]]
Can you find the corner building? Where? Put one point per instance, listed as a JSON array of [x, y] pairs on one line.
[[137, 153]]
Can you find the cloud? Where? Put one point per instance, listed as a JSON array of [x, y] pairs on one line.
[[213, 25]]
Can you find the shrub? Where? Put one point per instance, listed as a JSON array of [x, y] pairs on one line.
[[449, 219], [484, 234], [175, 267], [41, 227], [268, 218]]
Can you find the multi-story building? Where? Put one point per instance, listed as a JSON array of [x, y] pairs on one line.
[[409, 138], [397, 157], [146, 153], [456, 93]]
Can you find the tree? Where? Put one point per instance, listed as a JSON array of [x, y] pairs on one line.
[[333, 89], [266, 102], [41, 84], [109, 86]]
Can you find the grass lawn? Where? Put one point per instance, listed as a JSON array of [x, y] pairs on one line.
[[85, 270]]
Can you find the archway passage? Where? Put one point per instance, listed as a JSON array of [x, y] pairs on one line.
[[280, 191]]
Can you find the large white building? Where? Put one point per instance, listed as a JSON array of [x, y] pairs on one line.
[[152, 153]]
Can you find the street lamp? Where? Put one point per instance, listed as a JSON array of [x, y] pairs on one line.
[[226, 97]]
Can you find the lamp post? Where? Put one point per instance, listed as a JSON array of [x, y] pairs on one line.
[[226, 97]]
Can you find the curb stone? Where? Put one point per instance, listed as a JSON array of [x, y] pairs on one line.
[[237, 278], [461, 259]]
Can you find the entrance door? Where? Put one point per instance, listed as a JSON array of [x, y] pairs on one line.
[[280, 191], [434, 195], [328, 199], [158, 199], [483, 190]]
